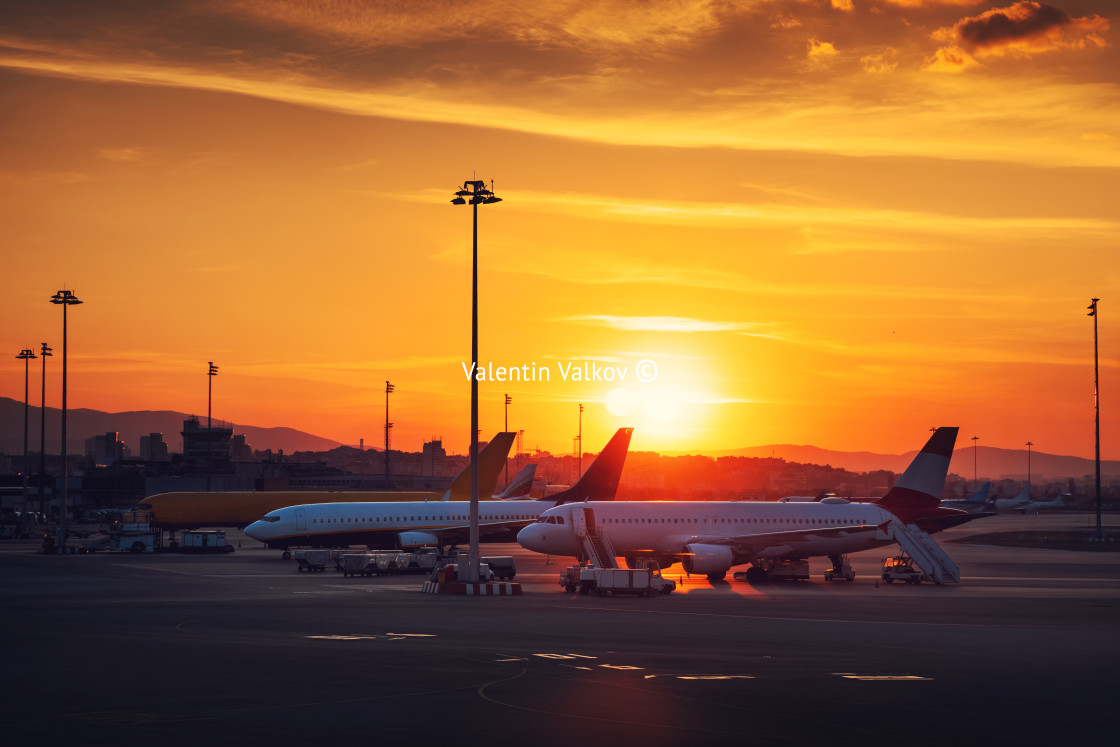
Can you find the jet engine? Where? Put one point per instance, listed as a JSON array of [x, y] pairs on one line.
[[418, 539], [710, 560]]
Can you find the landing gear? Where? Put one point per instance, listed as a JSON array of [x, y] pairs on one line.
[[718, 576], [756, 575]]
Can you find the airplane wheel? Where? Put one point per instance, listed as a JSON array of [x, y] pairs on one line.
[[717, 576], [570, 589]]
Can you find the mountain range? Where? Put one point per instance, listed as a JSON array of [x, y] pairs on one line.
[[991, 462], [82, 424]]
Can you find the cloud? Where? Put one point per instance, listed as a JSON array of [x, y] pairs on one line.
[[950, 60], [1023, 29], [821, 54], [121, 155], [784, 21], [659, 323], [842, 5], [627, 24], [884, 62]]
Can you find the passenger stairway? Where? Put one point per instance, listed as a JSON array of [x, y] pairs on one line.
[[927, 554], [599, 550]]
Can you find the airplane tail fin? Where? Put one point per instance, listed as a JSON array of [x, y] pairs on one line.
[[918, 492], [490, 462], [600, 481], [521, 484], [981, 496]]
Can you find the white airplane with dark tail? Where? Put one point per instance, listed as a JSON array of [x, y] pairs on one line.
[[710, 537]]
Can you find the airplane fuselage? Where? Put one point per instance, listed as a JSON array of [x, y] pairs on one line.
[[666, 529], [380, 525]]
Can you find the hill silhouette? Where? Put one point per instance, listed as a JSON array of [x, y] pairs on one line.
[[84, 423]]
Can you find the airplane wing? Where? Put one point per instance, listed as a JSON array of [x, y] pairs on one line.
[[782, 543]]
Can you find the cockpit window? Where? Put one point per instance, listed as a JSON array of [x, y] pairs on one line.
[[270, 517]]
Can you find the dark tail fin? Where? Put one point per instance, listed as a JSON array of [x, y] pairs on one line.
[[600, 481], [521, 485], [490, 462], [918, 492]]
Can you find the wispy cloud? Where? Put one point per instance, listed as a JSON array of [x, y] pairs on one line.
[[660, 323]]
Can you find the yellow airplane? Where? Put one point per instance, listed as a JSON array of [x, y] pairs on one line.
[[241, 508]]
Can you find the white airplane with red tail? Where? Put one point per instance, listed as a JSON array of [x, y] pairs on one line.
[[710, 537]]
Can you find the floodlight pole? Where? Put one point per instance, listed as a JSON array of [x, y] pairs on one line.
[[975, 479], [64, 298], [25, 355], [579, 438], [477, 192], [509, 400], [388, 390], [44, 353], [1097, 408], [209, 410], [1029, 445]]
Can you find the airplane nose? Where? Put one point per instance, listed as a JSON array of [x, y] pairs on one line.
[[253, 530], [532, 538]]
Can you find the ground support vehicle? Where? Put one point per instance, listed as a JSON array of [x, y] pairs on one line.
[[357, 564], [201, 541], [312, 560], [764, 570], [502, 565], [841, 571], [902, 568], [603, 581]]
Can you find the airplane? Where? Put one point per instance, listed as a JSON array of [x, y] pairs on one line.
[[978, 502], [521, 485], [1058, 502], [1017, 503], [711, 537], [415, 524], [188, 510]]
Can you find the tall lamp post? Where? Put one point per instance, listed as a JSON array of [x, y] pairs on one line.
[[974, 460], [65, 299], [1029, 445], [509, 400], [388, 426], [579, 438], [44, 353], [25, 355], [1097, 407], [478, 193], [209, 420]]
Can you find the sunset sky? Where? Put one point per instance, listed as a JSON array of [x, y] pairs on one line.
[[836, 222]]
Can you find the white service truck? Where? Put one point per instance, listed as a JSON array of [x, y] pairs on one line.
[[603, 581]]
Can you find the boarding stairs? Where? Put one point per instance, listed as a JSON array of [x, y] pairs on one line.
[[599, 550], [927, 554]]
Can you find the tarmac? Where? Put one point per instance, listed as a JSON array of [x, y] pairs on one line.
[[177, 649]]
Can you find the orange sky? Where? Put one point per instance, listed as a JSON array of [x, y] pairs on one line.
[[836, 222]]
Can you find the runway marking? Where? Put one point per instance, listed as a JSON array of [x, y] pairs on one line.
[[343, 637], [829, 621], [883, 677]]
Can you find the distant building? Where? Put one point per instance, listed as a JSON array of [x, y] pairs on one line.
[[153, 448], [104, 451], [432, 458], [202, 445], [240, 451]]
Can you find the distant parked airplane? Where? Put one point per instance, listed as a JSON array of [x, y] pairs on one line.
[[241, 508], [978, 502]]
